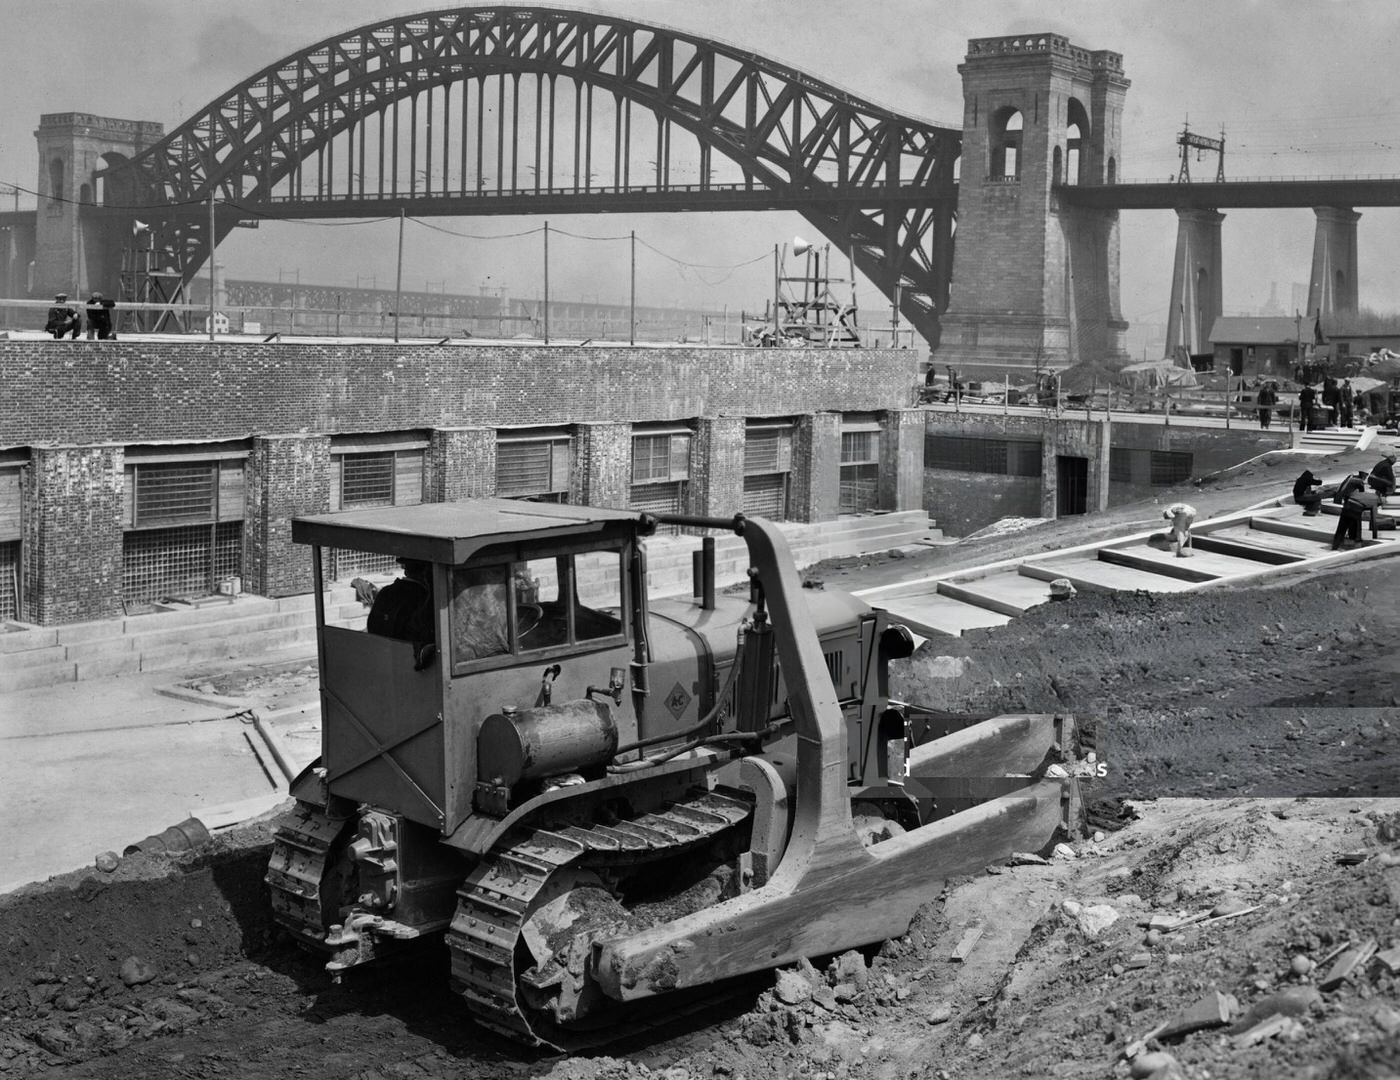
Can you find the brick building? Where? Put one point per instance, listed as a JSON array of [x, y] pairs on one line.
[[134, 470]]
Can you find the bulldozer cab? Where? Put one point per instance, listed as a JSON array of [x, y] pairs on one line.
[[494, 595]]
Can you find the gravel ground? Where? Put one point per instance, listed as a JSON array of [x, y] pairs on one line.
[[1252, 731]]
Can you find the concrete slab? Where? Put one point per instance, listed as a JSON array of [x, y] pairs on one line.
[[1207, 563], [1087, 571], [1007, 591], [931, 613], [1293, 545]]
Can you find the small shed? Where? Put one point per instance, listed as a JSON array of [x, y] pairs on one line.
[[1355, 336], [1264, 346]]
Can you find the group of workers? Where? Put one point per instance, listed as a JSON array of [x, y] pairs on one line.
[[64, 320], [1356, 502]]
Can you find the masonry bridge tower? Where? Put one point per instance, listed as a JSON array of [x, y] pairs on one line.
[[71, 255], [1036, 280]]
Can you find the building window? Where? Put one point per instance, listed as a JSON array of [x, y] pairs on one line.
[[660, 469], [175, 493], [1170, 467], [533, 465], [366, 480], [183, 520], [860, 472], [999, 457], [1005, 163], [767, 465], [374, 469]]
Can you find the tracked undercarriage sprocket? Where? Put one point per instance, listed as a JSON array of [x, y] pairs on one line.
[[306, 880], [521, 940]]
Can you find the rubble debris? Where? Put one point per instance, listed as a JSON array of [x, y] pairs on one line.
[[1276, 1026], [791, 988], [1387, 1019], [1092, 920], [965, 944], [1294, 1002], [107, 861], [1347, 962], [1150, 1064], [1026, 858], [1352, 858], [1213, 1010], [1390, 959], [135, 971]]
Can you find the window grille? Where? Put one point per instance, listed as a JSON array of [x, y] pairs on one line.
[[1170, 467], [860, 489], [180, 561], [767, 451], [366, 480], [999, 457], [171, 493], [766, 496], [533, 469], [9, 580], [343, 565]]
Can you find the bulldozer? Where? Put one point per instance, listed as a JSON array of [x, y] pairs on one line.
[[606, 806]]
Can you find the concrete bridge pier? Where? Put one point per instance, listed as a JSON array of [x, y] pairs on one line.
[[1197, 282], [1333, 285]]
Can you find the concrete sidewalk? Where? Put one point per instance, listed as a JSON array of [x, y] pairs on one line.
[[94, 766]]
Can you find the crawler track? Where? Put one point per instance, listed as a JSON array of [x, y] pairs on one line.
[[535, 987], [305, 891]]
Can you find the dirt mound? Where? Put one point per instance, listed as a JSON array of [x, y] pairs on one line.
[[1287, 690]]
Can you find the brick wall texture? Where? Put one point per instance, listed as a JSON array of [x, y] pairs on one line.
[[717, 465], [288, 475], [601, 471], [816, 468], [82, 393], [72, 534], [460, 464]]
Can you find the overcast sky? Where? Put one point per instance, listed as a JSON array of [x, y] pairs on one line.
[[1301, 87]]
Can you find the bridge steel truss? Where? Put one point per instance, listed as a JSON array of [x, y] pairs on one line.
[[397, 115]]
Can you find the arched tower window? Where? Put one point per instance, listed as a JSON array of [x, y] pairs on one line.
[[56, 178], [1076, 143], [1006, 144], [1339, 289], [1111, 176], [1057, 167], [85, 193]]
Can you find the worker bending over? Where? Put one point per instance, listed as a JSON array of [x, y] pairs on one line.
[[1181, 515]]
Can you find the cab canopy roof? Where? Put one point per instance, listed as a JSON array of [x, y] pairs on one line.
[[451, 532]]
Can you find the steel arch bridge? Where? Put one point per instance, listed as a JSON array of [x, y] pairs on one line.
[[470, 111]]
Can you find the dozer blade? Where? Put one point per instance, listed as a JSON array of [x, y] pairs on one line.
[[830, 892], [1016, 744], [842, 900]]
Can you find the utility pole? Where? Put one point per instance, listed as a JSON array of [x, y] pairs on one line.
[[632, 303], [398, 280], [211, 264], [546, 283]]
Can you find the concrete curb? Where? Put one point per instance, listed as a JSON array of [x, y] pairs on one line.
[[276, 746]]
